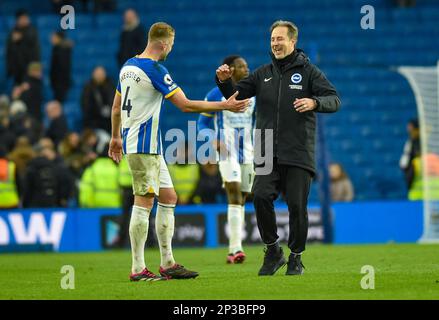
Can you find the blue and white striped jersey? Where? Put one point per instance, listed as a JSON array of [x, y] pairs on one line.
[[143, 85], [235, 130]]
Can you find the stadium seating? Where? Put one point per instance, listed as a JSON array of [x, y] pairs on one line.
[[366, 136]]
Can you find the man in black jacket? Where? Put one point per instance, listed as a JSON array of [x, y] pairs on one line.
[[58, 126], [97, 98], [31, 90], [47, 182], [132, 38], [22, 47], [60, 65], [288, 92]]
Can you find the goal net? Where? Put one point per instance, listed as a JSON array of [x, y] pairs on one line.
[[425, 84]]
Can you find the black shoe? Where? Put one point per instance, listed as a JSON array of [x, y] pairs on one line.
[[295, 265], [273, 260], [177, 271]]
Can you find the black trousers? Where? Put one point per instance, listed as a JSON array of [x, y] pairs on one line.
[[294, 183]]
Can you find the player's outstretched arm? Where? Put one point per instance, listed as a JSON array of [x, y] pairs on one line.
[[184, 104], [115, 147], [246, 86]]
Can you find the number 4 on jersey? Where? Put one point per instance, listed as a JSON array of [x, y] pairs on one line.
[[127, 103]]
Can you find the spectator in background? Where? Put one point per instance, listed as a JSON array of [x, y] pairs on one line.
[[341, 185], [412, 149], [209, 188], [31, 91], [97, 99], [7, 136], [9, 196], [58, 127], [99, 187], [60, 65], [89, 142], [74, 160], [46, 142], [70, 150], [22, 124], [46, 183], [21, 155], [416, 191], [133, 37], [22, 47], [184, 175], [4, 105]]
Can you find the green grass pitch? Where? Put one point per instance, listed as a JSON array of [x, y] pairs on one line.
[[402, 271]]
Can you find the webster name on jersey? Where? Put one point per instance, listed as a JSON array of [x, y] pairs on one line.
[[143, 86]]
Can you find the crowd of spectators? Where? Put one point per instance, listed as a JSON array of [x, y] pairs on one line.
[[50, 158], [53, 164]]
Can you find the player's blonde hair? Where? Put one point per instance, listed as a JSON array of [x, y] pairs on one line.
[[160, 31]]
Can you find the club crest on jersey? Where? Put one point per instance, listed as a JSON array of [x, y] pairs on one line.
[[296, 78], [167, 79]]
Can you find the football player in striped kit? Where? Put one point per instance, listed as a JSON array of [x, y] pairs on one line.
[[143, 85], [234, 142]]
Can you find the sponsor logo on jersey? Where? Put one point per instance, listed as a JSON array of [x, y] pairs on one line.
[[167, 79], [296, 86]]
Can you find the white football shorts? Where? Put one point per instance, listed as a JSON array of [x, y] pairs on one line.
[[232, 171]]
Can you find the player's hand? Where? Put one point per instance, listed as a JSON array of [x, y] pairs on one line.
[[224, 72], [304, 104], [220, 146], [236, 105], [115, 149]]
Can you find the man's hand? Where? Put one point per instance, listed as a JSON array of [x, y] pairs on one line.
[[224, 72], [16, 36], [234, 105], [115, 149], [304, 104]]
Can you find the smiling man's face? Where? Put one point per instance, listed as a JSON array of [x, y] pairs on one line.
[[281, 44]]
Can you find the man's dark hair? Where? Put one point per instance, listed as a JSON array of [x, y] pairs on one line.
[[414, 123], [293, 31], [61, 34], [21, 12], [231, 59]]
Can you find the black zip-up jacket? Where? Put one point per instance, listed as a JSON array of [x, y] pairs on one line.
[[276, 86]]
